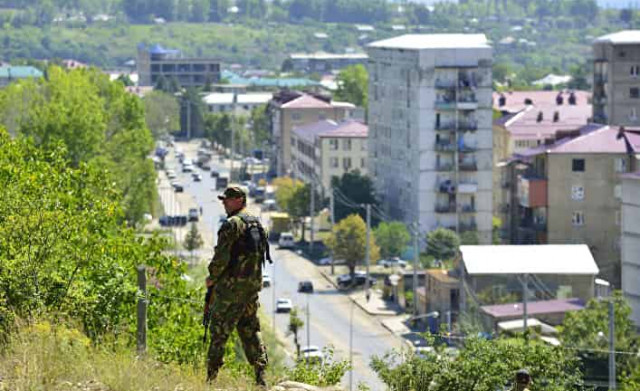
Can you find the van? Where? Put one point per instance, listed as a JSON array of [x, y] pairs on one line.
[[222, 182], [286, 240]]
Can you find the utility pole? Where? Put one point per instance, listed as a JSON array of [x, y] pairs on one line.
[[333, 222], [308, 325], [273, 298], [351, 347], [367, 251], [188, 119], [416, 258], [141, 335], [312, 212], [612, 345], [525, 294], [233, 124]]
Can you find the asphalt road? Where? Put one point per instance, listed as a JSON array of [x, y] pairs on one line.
[[329, 310]]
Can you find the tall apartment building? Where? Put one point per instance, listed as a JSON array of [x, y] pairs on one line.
[[325, 149], [430, 135], [156, 61], [631, 242], [616, 78], [289, 109], [569, 191]]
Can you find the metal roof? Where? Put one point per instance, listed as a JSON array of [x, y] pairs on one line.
[[573, 259], [620, 38], [19, 72], [433, 41]]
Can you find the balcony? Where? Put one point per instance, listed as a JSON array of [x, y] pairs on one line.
[[447, 186], [445, 104], [532, 192], [468, 226], [444, 167], [445, 146], [468, 166], [445, 208], [446, 126], [468, 148], [445, 84], [536, 226], [465, 126], [467, 187], [468, 208], [600, 78]]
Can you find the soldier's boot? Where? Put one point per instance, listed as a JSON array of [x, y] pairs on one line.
[[260, 381]]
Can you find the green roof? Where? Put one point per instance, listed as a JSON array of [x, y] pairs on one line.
[[19, 72]]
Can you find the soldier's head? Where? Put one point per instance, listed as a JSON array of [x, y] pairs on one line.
[[523, 378], [234, 198]]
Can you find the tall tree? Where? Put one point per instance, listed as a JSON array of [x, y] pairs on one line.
[[358, 189], [162, 113], [353, 84], [193, 240], [392, 238], [295, 324], [348, 241], [442, 244]]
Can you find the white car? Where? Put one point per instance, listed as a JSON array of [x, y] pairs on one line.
[[393, 262], [171, 174], [266, 280], [284, 305], [312, 353], [286, 240]]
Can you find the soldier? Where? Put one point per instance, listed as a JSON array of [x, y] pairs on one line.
[[235, 273], [523, 380]]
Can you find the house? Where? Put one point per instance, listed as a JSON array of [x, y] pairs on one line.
[[156, 62], [551, 312]]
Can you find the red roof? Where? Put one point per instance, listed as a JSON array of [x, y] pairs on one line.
[[307, 102], [533, 308], [329, 128]]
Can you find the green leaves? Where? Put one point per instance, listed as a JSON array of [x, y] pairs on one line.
[[348, 241], [442, 243], [392, 238]]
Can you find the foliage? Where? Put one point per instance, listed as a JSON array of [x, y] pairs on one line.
[[193, 239], [353, 84], [162, 113], [358, 189], [392, 238], [192, 111], [442, 244], [217, 128], [589, 329], [348, 241], [469, 238], [318, 374], [481, 365], [491, 296], [285, 190], [260, 126], [295, 324]]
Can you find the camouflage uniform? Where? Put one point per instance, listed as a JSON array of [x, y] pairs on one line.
[[237, 283]]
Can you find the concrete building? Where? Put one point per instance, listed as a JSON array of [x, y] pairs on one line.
[[616, 78], [528, 119], [235, 103], [430, 135], [155, 62], [324, 149], [289, 109], [631, 242], [441, 293], [9, 73], [321, 62], [569, 191]]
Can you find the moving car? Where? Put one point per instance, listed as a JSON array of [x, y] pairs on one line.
[[344, 281], [214, 174], [312, 354], [393, 262], [194, 214], [171, 174], [284, 305], [269, 205], [196, 177], [187, 168], [266, 280], [305, 286], [177, 187], [286, 240]]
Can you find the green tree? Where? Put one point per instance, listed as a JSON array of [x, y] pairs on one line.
[[162, 113], [358, 189], [353, 85], [285, 190], [469, 238], [126, 80], [295, 324], [298, 206], [442, 244], [260, 126], [217, 128], [193, 239], [392, 238], [192, 111], [348, 241]]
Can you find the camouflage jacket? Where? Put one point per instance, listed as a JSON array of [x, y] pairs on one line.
[[231, 273]]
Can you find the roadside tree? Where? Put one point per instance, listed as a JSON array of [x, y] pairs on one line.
[[295, 324], [442, 244], [348, 241], [353, 83], [392, 238], [193, 240], [358, 189], [162, 113]]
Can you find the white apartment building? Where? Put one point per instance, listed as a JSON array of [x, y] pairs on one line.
[[430, 130], [327, 148], [234, 103], [631, 242]]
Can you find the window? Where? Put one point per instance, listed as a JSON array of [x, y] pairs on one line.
[[363, 145], [296, 116], [634, 92], [577, 193], [633, 114], [362, 162], [346, 163], [333, 144], [577, 165], [618, 218], [617, 192], [322, 116], [621, 164], [577, 219], [635, 70], [346, 144], [333, 162]]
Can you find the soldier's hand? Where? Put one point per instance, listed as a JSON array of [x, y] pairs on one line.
[[208, 282]]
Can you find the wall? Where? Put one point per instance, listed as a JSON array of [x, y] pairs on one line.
[[631, 244]]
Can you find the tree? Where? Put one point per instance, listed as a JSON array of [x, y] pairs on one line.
[[295, 324], [469, 238], [588, 330], [392, 238], [126, 80], [358, 189], [192, 113], [162, 113], [285, 190], [260, 125], [348, 241], [353, 85], [217, 128], [193, 239], [298, 206], [442, 244]]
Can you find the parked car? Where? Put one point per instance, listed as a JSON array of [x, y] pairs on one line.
[[270, 205], [214, 174], [284, 305], [205, 167], [173, 221], [312, 354], [305, 286], [393, 262], [196, 177], [286, 240], [177, 187], [345, 281], [194, 214], [187, 168], [266, 280], [171, 174]]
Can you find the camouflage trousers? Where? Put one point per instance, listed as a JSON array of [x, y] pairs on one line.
[[230, 313]]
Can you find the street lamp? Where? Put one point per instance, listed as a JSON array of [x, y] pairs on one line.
[[604, 292]]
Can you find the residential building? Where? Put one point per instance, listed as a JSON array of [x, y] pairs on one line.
[[430, 135], [235, 103], [528, 119], [569, 191], [289, 109], [631, 242], [321, 62], [324, 149], [551, 312], [441, 293], [156, 62], [616, 78], [9, 73]]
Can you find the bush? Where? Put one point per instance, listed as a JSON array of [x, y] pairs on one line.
[[328, 373]]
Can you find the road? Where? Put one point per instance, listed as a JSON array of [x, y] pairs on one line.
[[329, 310]]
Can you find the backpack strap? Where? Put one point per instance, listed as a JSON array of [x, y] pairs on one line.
[[247, 219]]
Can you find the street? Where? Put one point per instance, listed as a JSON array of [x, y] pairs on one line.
[[329, 310]]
